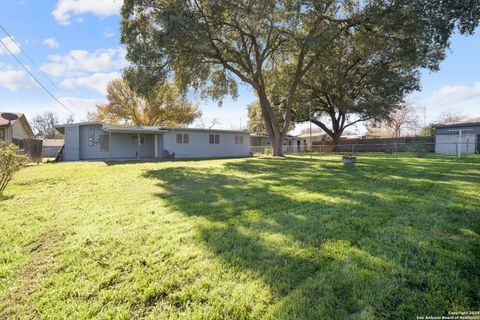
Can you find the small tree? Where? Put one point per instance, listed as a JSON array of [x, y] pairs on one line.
[[44, 125], [163, 106], [10, 163], [451, 117], [403, 119], [427, 131]]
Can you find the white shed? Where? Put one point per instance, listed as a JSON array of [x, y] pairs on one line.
[[457, 137]]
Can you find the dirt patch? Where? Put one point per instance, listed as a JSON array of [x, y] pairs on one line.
[[30, 278]]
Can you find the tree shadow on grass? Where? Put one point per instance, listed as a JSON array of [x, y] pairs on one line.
[[332, 241]]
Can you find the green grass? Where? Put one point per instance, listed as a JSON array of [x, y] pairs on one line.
[[292, 238]]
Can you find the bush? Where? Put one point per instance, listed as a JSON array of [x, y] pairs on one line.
[[10, 163]]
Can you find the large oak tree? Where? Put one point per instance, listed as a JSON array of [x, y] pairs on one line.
[[212, 44], [369, 71], [364, 78]]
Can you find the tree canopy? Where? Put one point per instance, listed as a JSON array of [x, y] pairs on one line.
[[271, 45], [365, 77], [211, 45], [163, 106]]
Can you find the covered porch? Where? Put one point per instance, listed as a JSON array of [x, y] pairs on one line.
[[130, 143]]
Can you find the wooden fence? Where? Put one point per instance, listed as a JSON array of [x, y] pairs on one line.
[[33, 149], [405, 144]]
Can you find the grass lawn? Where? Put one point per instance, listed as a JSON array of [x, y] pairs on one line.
[[292, 238]]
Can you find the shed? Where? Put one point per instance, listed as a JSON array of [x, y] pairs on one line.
[[450, 138]]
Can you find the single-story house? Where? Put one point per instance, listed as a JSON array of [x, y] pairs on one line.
[[51, 147], [454, 137], [16, 130], [96, 140], [260, 141], [315, 138]]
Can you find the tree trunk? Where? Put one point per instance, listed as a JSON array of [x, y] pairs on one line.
[[271, 124], [336, 141], [277, 146]]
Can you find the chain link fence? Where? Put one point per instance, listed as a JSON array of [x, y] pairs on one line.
[[394, 147]]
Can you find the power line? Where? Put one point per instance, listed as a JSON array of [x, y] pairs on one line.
[[35, 78], [35, 64]]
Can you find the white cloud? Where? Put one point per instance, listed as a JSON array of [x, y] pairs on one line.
[[15, 79], [97, 81], [7, 41], [82, 62], [51, 43], [80, 106], [454, 94], [66, 8]]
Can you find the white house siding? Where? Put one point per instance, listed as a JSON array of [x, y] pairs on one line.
[[199, 144]]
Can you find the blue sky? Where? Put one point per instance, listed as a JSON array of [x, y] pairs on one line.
[[76, 42]]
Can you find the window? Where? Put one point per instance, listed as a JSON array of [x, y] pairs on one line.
[[18, 143], [182, 138], [104, 142], [135, 141], [214, 139], [239, 139], [2, 134]]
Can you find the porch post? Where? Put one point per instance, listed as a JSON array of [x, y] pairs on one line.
[[156, 146], [138, 145], [110, 146]]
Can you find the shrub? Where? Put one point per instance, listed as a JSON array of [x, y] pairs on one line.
[[10, 163]]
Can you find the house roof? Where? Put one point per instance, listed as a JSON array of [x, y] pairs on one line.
[[4, 122], [144, 129], [456, 125], [263, 135], [53, 142], [313, 134], [352, 136], [21, 118]]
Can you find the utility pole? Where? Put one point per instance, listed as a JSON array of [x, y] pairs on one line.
[[424, 116]]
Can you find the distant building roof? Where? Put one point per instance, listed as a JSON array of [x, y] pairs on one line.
[[53, 142], [313, 134], [353, 136], [264, 135], [456, 125]]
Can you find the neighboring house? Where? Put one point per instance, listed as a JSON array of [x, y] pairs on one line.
[[259, 141], [452, 136], [96, 140], [51, 147], [315, 138], [15, 131]]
